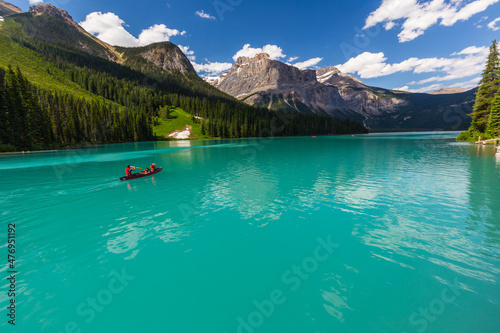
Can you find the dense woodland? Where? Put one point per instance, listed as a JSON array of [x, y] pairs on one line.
[[126, 100], [486, 111]]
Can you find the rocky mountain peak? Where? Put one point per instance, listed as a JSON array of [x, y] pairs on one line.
[[7, 9], [250, 75], [448, 90], [167, 56], [58, 13], [262, 81], [325, 73], [258, 57], [51, 10]]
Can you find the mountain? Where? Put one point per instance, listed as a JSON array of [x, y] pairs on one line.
[[264, 82], [60, 85], [7, 9], [448, 90]]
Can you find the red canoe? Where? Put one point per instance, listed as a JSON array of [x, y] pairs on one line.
[[140, 175]]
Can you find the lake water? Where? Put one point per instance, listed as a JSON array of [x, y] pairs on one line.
[[375, 233]]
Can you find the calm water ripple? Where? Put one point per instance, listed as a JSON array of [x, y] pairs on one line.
[[376, 233]]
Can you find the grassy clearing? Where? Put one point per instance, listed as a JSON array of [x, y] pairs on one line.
[[178, 119]]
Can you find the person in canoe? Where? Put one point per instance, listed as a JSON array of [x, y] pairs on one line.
[[128, 170], [153, 167]]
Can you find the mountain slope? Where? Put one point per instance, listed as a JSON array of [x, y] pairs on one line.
[[264, 82], [7, 9], [87, 91]]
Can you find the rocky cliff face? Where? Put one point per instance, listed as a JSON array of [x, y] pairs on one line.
[[262, 81], [165, 56], [168, 57]]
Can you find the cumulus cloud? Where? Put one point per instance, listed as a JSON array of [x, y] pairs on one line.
[[189, 53], [35, 2], [308, 63], [204, 15], [470, 61], [467, 84], [492, 24], [110, 28], [292, 59], [432, 87], [212, 68], [404, 88], [418, 16], [274, 51]]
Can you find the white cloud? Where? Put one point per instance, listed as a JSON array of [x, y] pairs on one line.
[[492, 24], [372, 65], [189, 53], [109, 27], [212, 68], [158, 33], [472, 50], [204, 15], [404, 88], [478, 23], [308, 63], [419, 16], [467, 84], [292, 59], [432, 87], [274, 51], [35, 2]]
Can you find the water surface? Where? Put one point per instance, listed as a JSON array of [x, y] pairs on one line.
[[374, 233]]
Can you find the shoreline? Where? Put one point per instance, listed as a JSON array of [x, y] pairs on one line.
[[190, 139]]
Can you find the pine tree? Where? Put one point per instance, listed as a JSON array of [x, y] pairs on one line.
[[494, 120], [488, 86]]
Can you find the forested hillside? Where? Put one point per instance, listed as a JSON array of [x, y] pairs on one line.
[[61, 86]]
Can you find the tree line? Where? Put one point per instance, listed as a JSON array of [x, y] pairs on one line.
[[486, 110], [32, 118], [125, 103]]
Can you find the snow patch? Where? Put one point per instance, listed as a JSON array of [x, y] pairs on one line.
[[1, 18], [325, 77], [181, 135]]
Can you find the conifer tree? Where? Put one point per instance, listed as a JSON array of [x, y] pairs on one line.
[[494, 120], [488, 86]]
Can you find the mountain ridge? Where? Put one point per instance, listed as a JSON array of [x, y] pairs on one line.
[[60, 86], [7, 9], [265, 82]]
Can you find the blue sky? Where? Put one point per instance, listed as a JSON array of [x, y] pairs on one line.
[[410, 44]]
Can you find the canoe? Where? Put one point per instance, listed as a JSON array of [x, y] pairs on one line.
[[140, 175]]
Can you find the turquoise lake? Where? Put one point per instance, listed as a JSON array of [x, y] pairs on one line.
[[369, 233]]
